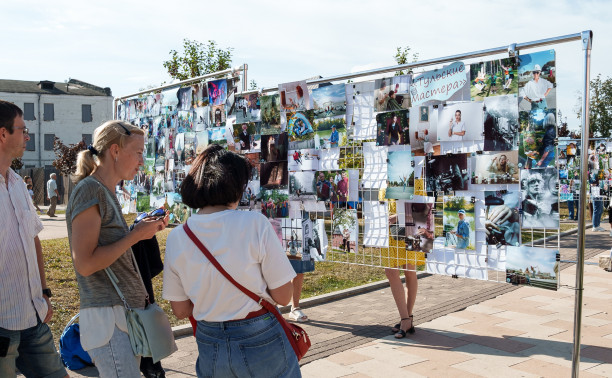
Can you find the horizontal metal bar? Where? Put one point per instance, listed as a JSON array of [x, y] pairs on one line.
[[429, 62], [188, 81], [574, 262]]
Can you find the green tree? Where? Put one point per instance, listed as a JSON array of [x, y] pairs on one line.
[[600, 117], [253, 85], [402, 56], [198, 59]]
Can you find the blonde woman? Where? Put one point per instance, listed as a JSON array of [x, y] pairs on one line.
[[100, 238]]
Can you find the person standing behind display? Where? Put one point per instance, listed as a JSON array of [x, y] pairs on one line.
[[537, 89], [235, 335], [52, 195], [456, 129], [100, 238]]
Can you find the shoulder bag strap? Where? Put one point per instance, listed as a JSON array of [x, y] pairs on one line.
[[216, 264]]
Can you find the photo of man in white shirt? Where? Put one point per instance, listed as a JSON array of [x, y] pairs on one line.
[[537, 89]]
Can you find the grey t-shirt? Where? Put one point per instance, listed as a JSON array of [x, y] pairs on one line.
[[96, 290]]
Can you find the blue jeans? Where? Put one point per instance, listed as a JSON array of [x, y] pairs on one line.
[[597, 211], [116, 358], [32, 351], [256, 347]]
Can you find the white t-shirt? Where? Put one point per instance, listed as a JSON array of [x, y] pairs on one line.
[[536, 91], [245, 245], [457, 128]]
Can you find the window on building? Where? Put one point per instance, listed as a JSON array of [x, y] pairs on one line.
[[86, 115], [28, 111], [49, 112], [31, 145], [49, 140], [87, 139]]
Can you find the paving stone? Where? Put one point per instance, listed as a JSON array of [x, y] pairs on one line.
[[348, 357], [547, 369]]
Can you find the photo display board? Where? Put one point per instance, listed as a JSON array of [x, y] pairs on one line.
[[452, 171]]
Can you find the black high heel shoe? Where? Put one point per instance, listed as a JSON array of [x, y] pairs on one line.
[[401, 333]]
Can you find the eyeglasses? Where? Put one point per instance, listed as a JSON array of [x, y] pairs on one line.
[[126, 130], [25, 130], [536, 72]]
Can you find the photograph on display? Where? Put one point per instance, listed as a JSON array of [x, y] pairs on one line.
[[274, 175], [495, 168], [217, 92], [326, 184], [246, 138], [501, 123], [185, 96], [424, 130], [329, 133], [493, 78], [248, 108], [169, 99], [537, 81], [501, 222], [400, 174], [217, 135], [270, 114], [533, 266], [294, 96], [329, 101], [458, 222], [217, 114], [184, 121], [200, 95], [274, 203], [201, 118], [540, 196], [274, 147], [446, 173], [393, 128], [302, 186], [345, 231], [460, 122], [299, 126], [537, 138], [304, 160], [419, 226], [392, 93]]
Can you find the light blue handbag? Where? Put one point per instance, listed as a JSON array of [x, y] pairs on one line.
[[149, 328]]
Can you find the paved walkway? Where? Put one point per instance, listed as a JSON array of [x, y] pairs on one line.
[[464, 328]]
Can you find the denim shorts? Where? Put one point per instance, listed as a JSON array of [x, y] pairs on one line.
[[256, 347], [33, 352], [116, 359], [302, 266]]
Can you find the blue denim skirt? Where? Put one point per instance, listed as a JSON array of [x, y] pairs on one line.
[[256, 347], [301, 266]]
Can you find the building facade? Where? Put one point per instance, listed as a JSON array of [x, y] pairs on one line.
[[70, 111]]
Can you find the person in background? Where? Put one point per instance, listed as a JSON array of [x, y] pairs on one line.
[[52, 195], [26, 342], [28, 182], [334, 139], [235, 336], [100, 238]]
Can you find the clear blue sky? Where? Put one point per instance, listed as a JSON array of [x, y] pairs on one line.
[[122, 44]]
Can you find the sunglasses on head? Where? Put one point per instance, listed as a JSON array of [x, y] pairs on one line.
[[127, 132]]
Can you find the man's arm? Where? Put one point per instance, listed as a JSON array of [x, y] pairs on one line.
[[43, 278]]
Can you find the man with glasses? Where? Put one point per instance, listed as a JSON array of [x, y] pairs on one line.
[[537, 89], [26, 341]]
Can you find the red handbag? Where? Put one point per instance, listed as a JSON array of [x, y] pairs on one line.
[[297, 336]]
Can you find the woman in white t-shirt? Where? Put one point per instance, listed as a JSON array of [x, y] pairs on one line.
[[235, 336]]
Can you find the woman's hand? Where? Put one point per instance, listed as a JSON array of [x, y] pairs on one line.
[[148, 227]]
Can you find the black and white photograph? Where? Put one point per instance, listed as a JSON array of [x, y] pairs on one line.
[[501, 223], [447, 173], [501, 123], [495, 168], [540, 198], [460, 121]]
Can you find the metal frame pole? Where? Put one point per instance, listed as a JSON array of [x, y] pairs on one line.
[[586, 46]]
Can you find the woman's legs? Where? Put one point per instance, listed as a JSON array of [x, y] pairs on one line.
[[298, 282], [404, 300], [116, 359]]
